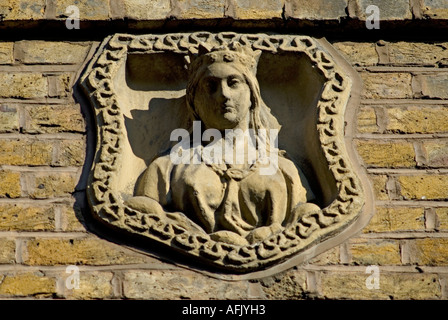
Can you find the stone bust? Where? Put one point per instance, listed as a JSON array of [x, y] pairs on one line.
[[228, 201]]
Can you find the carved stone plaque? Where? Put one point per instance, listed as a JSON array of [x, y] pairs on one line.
[[166, 171]]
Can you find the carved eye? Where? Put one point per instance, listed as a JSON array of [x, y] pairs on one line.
[[233, 82]]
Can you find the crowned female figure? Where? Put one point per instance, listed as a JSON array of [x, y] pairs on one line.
[[237, 202]]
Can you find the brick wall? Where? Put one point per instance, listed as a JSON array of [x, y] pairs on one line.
[[402, 139]]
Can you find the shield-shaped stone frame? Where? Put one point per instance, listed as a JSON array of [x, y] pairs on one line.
[[312, 234]]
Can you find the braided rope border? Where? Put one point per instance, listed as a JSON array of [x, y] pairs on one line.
[[312, 228]]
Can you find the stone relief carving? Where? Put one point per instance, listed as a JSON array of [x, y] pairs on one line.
[[281, 183]]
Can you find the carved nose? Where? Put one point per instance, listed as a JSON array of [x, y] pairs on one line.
[[224, 91]]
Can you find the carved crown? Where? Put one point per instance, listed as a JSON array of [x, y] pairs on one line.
[[234, 52]]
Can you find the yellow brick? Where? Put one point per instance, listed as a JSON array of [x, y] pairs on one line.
[[147, 10], [20, 217], [442, 215], [23, 85], [7, 251], [88, 10], [51, 52], [435, 9], [9, 119], [253, 9], [430, 252], [417, 119], [290, 285], [6, 49], [422, 187], [316, 10], [328, 257], [396, 286], [396, 219], [22, 9], [71, 153], [386, 85], [72, 218], [436, 153], [10, 184], [53, 119], [387, 154], [367, 121], [83, 251], [27, 284], [417, 53], [379, 187], [25, 152], [375, 252], [96, 285], [42, 186], [358, 53], [166, 284], [200, 9]]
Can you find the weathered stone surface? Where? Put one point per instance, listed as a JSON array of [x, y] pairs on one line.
[[386, 154], [22, 9], [72, 218], [71, 153], [367, 120], [435, 9], [92, 285], [7, 251], [396, 219], [397, 286], [442, 217], [417, 119], [6, 52], [9, 118], [291, 285], [388, 10], [23, 85], [424, 187], [166, 284], [147, 10], [84, 251], [434, 86], [53, 119], [328, 257], [429, 252], [315, 10], [25, 152], [50, 52], [199, 9], [27, 284], [45, 185], [10, 184], [386, 85], [436, 153], [379, 187], [358, 53], [88, 10], [253, 9], [380, 252], [418, 53], [23, 217]]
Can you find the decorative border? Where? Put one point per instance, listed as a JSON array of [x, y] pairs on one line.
[[310, 230]]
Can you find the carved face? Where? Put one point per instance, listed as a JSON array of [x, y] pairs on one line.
[[223, 97]]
